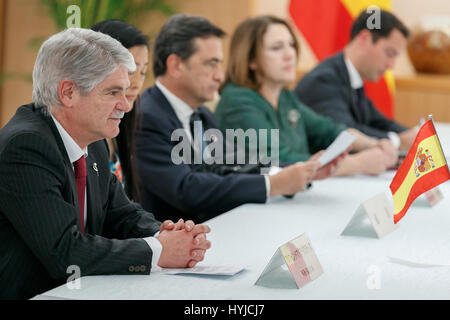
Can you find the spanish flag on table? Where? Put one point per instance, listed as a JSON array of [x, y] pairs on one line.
[[326, 26], [423, 169]]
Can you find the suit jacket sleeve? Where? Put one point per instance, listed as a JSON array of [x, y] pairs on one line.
[[379, 123], [35, 184], [124, 219], [201, 195]]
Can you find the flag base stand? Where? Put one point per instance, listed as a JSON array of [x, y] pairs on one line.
[[374, 218]]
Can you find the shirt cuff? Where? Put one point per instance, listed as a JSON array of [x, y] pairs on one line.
[[395, 139], [156, 248], [272, 171]]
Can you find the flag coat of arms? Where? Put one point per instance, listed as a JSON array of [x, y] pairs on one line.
[[424, 168]]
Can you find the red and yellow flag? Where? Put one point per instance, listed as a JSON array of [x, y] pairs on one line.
[[423, 169], [326, 26]]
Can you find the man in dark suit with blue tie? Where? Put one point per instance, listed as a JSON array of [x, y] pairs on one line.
[[335, 87], [61, 208], [187, 66]]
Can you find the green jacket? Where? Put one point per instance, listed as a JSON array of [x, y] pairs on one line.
[[302, 131]]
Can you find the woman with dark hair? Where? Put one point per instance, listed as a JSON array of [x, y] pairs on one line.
[[262, 63], [122, 148]]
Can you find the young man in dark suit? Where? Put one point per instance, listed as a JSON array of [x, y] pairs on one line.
[[61, 209], [187, 66], [335, 87]]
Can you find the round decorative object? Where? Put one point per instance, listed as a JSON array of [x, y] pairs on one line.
[[429, 49]]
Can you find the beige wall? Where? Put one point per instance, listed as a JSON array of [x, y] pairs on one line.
[[25, 19]]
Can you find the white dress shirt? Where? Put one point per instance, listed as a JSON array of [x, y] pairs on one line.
[[356, 82], [75, 152], [181, 108], [184, 112]]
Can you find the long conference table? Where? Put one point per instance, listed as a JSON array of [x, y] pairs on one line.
[[412, 262]]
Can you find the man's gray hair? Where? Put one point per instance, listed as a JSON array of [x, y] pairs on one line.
[[83, 56]]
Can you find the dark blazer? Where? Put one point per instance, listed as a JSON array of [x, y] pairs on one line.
[[172, 191], [327, 90], [39, 213]]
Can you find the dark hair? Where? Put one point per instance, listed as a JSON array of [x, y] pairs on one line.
[[177, 36], [388, 22], [128, 36]]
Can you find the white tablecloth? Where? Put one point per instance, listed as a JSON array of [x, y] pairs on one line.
[[249, 235]]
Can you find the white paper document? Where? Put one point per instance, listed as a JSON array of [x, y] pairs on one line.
[[339, 145], [211, 270], [415, 264]]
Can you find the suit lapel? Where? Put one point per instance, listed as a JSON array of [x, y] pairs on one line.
[[92, 188], [167, 109], [91, 182], [208, 121], [43, 114], [342, 70], [165, 106]]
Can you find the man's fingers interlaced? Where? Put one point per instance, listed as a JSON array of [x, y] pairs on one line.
[[189, 225], [200, 228], [198, 254]]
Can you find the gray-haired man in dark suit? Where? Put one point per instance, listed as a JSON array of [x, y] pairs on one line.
[[60, 206]]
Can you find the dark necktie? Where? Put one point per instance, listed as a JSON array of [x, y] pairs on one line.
[[201, 144], [360, 96], [79, 168]]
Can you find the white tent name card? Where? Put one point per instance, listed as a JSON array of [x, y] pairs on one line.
[[373, 218], [302, 264]]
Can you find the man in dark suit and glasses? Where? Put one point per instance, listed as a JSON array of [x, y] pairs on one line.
[[187, 66], [335, 87], [60, 206]]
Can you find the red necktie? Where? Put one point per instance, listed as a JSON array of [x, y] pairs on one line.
[[79, 167]]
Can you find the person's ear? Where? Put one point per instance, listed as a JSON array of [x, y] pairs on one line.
[[174, 65], [67, 92]]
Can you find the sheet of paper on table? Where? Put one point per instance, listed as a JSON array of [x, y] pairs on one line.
[[209, 270], [339, 145], [414, 264]]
